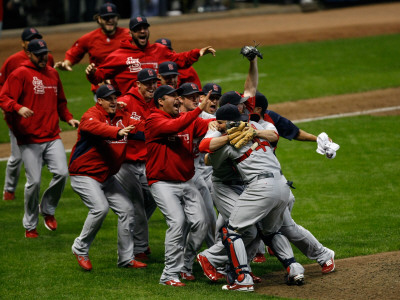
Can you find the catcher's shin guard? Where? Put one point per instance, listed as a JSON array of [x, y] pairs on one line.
[[236, 253]]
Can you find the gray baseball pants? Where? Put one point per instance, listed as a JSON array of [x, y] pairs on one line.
[[34, 156], [14, 164], [99, 197], [180, 202], [132, 177]]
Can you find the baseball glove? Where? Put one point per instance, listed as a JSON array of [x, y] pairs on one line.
[[243, 137], [250, 52], [234, 126]]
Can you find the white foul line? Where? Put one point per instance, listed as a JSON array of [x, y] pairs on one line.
[[351, 114]]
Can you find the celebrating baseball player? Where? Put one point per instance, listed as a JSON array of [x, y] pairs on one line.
[[135, 54], [168, 74], [95, 158], [170, 168], [34, 96], [14, 162], [97, 43], [185, 74]]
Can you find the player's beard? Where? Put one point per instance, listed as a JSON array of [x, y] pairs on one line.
[[137, 42], [109, 29]]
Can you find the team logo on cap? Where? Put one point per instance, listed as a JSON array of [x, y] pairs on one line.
[[150, 72], [41, 44], [164, 42], [110, 87], [139, 19], [33, 30], [109, 8], [215, 87], [193, 86], [170, 67]]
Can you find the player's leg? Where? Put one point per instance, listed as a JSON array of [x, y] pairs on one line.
[[32, 157], [168, 198], [54, 157], [13, 168]]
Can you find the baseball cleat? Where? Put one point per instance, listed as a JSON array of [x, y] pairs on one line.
[[295, 274], [134, 264], [238, 287], [256, 279], [208, 269], [259, 258], [8, 196], [173, 282], [50, 222], [295, 280], [31, 234], [187, 276], [329, 266], [83, 261]]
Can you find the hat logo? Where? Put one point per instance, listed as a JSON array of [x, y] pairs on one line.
[[193, 86], [139, 19], [150, 72], [41, 44], [109, 8], [164, 42], [110, 87], [170, 67], [215, 88], [33, 30]]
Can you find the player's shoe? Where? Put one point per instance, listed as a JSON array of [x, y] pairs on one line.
[[50, 222], [187, 276], [31, 234], [8, 196], [259, 258], [173, 282], [329, 265], [295, 274], [256, 279], [208, 269], [239, 287], [83, 261], [134, 264], [141, 256]]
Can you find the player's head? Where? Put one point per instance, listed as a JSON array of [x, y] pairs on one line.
[[234, 98], [166, 98], [190, 96], [38, 53], [107, 18], [106, 96], [168, 73], [140, 33], [166, 42], [147, 83], [261, 104], [215, 95], [228, 112], [28, 35]]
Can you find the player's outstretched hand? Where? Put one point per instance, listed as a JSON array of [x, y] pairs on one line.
[[126, 130], [206, 50], [90, 69], [63, 65], [74, 123], [206, 102]]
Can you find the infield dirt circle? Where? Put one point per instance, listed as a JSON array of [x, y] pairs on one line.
[[369, 277]]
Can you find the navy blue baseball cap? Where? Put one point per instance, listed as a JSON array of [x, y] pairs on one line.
[[214, 88], [147, 74], [232, 97], [163, 90], [106, 90], [168, 68], [37, 46], [230, 112], [108, 10], [165, 42], [261, 101], [189, 88], [137, 21], [30, 33]]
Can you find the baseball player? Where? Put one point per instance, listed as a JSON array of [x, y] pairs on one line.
[[132, 175], [13, 62], [135, 54], [168, 74], [169, 169], [99, 43], [190, 98], [185, 74], [95, 158], [34, 96]]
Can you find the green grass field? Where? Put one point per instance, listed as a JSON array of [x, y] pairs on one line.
[[350, 203]]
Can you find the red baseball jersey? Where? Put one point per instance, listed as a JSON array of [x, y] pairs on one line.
[[169, 144], [97, 45], [139, 110], [41, 91], [123, 65], [99, 151], [15, 61], [188, 75]]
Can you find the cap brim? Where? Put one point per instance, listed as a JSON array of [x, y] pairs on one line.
[[193, 92], [115, 92], [178, 91], [133, 27], [109, 15], [169, 73], [149, 79], [244, 99], [32, 36], [41, 51]]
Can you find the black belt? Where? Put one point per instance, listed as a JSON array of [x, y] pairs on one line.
[[262, 176], [233, 182]]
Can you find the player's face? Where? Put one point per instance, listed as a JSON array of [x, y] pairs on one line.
[[171, 80], [170, 104], [108, 24], [214, 103], [221, 125], [109, 103], [39, 60], [190, 102], [240, 107], [147, 88], [140, 35]]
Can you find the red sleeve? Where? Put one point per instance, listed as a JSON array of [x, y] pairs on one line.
[[91, 123], [205, 145], [250, 104], [201, 126], [167, 126], [77, 51], [9, 96], [107, 70], [182, 59]]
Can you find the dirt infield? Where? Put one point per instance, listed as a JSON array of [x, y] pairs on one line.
[[370, 277]]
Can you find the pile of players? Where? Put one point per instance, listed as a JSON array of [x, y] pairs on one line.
[[157, 138]]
